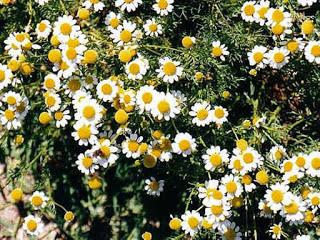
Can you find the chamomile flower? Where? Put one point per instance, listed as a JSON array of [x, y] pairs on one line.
[[89, 111], [127, 98], [247, 181], [12, 99], [105, 152], [13, 46], [312, 52], [131, 146], [145, 97], [278, 57], [129, 6], [52, 101], [302, 237], [124, 34], [294, 45], [219, 115], [293, 210], [218, 212], [277, 196], [87, 163], [191, 222], [113, 20], [277, 153], [211, 193], [97, 5], [229, 230], [280, 30], [219, 50], [137, 68], [165, 106], [180, 97], [247, 11], [215, 157], [33, 225], [72, 86], [163, 7], [232, 186], [90, 81], [314, 200], [43, 29], [236, 165], [305, 3], [201, 113], [265, 210], [251, 159], [277, 16], [261, 10], [184, 144], [300, 160], [107, 90], [71, 55], [257, 57], [38, 200], [5, 76], [10, 118], [276, 231], [154, 187], [152, 28], [84, 133], [169, 70], [51, 82], [80, 96], [313, 164], [65, 27], [65, 69], [62, 117]]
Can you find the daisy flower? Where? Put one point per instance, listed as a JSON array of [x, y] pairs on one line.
[[280, 30], [5, 76], [96, 4], [137, 68], [12, 99], [124, 34], [257, 57], [145, 97], [247, 11], [236, 165], [84, 133], [10, 118], [278, 15], [300, 160], [38, 200], [154, 187], [90, 82], [89, 111], [211, 193], [293, 210], [180, 97], [313, 164], [276, 196], [278, 57], [188, 42], [312, 52], [131, 146], [163, 7], [43, 29], [127, 97], [305, 3], [80, 96], [276, 231], [219, 115], [249, 186], [107, 90], [113, 20], [191, 222], [313, 200], [33, 225], [165, 106], [152, 28], [72, 86], [261, 10], [232, 186], [218, 212], [129, 6], [65, 27], [294, 45], [51, 82], [219, 50], [265, 210], [105, 152], [201, 113], [169, 70], [229, 230], [65, 69], [251, 159], [86, 163], [62, 117], [52, 101], [215, 157], [184, 144]]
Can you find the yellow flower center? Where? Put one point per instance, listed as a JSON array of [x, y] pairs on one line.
[[105, 151], [126, 36], [184, 145], [292, 208], [307, 27], [193, 222], [262, 12], [215, 160], [237, 165], [32, 225], [219, 113], [277, 196], [49, 83], [216, 51], [71, 53], [216, 210], [300, 161], [315, 50], [288, 166], [74, 85], [84, 132], [154, 185], [163, 4], [278, 57], [73, 42], [276, 229], [106, 89], [163, 106], [147, 97], [42, 27], [230, 234], [248, 158], [292, 46], [214, 193], [50, 100], [58, 116], [20, 37], [36, 201], [315, 163], [9, 114], [114, 22], [258, 57], [89, 112], [277, 29], [133, 146], [149, 161], [134, 68], [2, 75], [231, 187], [202, 114], [315, 201], [169, 68], [277, 16], [11, 100], [175, 223], [249, 10], [153, 27], [87, 162], [246, 179], [65, 28]]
